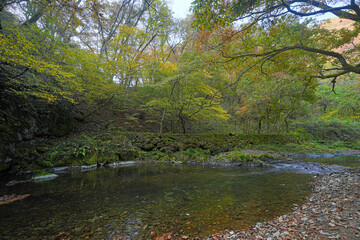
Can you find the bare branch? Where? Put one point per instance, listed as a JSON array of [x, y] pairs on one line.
[[333, 84], [338, 11]]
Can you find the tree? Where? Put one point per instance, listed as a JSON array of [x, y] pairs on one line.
[[189, 93], [344, 105], [44, 38], [319, 42]]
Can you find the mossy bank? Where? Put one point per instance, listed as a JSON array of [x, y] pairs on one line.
[[113, 146]]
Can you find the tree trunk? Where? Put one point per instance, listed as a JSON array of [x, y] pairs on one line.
[[183, 123], [259, 125], [183, 126], [286, 125], [162, 121], [38, 14]]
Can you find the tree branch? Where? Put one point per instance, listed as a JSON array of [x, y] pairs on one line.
[[338, 11], [23, 72], [38, 14], [346, 66]]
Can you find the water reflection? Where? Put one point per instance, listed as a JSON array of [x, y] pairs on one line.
[[134, 201]]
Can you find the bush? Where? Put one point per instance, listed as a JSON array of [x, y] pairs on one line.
[[331, 130], [237, 156]]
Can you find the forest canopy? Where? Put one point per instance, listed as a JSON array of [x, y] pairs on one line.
[[238, 66]]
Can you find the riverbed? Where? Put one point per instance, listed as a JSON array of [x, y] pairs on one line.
[[152, 200], [331, 212], [137, 202]]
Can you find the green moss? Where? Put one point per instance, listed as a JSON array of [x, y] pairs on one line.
[[112, 145], [265, 156], [237, 156], [110, 158], [129, 154], [46, 164], [192, 154], [148, 147], [92, 159]]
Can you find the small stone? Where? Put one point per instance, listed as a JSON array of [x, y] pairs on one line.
[[277, 234]]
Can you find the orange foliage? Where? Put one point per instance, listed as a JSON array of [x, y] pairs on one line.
[[242, 110]]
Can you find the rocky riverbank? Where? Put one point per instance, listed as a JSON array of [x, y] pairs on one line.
[[331, 212]]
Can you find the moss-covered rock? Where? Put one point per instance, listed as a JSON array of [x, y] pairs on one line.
[[148, 147], [112, 146], [128, 154], [238, 156], [43, 176]]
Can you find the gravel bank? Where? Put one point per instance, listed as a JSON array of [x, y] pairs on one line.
[[331, 212]]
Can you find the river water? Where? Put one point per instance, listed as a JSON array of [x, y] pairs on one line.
[[136, 202]]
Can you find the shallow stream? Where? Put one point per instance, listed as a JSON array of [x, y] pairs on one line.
[[351, 161], [132, 202]]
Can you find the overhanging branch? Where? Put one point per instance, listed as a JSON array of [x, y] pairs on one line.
[[345, 65], [338, 11]]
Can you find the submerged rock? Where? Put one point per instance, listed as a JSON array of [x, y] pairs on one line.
[[60, 169], [6, 199], [88, 167], [119, 164], [45, 177]]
